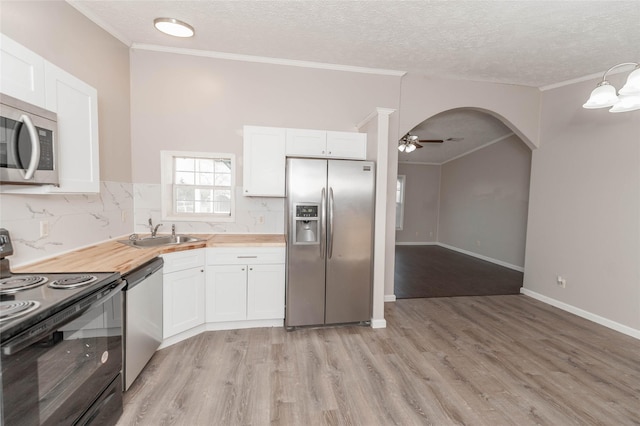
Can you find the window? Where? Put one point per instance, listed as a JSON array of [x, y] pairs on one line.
[[197, 186], [400, 202]]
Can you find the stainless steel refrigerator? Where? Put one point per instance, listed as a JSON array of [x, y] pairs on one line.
[[330, 212]]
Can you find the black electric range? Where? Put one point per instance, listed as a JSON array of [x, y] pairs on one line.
[[27, 299]]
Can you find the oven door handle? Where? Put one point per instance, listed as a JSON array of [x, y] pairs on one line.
[[28, 173], [42, 329]]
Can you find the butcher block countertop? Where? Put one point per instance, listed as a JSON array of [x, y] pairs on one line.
[[112, 256]]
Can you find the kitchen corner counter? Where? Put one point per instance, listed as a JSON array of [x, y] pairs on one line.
[[112, 256]]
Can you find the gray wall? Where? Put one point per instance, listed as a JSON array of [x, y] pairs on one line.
[[484, 199], [422, 193], [584, 210]]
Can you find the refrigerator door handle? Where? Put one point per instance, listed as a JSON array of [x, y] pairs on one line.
[[330, 227], [322, 221]]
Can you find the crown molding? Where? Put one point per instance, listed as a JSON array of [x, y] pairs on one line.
[[579, 80], [265, 60]]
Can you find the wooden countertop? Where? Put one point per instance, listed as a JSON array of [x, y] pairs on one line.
[[112, 256]]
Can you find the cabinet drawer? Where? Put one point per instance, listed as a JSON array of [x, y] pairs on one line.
[[179, 261], [245, 255]]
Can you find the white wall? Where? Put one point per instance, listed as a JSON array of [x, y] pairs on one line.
[[422, 195], [484, 200], [584, 208]]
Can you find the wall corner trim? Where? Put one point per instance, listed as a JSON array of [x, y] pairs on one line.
[[629, 331]]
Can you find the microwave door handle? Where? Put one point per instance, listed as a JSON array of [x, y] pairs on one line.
[[35, 147]]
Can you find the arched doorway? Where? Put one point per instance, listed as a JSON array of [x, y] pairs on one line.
[[462, 199]]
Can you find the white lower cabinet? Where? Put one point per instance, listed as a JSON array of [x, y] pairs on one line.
[[226, 292], [184, 290], [265, 292], [245, 283]]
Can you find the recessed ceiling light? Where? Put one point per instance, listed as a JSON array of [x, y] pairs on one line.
[[173, 27]]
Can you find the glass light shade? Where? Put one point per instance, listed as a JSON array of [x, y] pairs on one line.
[[174, 27], [632, 86], [602, 96], [411, 148], [626, 103], [402, 147]]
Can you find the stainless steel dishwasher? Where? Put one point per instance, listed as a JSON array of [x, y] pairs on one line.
[[142, 317]]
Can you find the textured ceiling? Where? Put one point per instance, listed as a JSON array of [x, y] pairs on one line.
[[530, 43]]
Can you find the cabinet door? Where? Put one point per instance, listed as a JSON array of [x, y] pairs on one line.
[[264, 161], [22, 73], [306, 143], [77, 144], [226, 293], [183, 301], [347, 145], [265, 294]]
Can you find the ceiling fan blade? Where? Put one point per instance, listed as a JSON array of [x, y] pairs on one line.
[[431, 140], [417, 145]]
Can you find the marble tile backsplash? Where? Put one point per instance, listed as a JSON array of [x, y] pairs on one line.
[[119, 209], [254, 215], [73, 220]]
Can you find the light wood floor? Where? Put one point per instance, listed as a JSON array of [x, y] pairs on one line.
[[493, 360]]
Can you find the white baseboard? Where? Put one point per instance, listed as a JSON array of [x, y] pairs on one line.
[[378, 323], [389, 298], [481, 257], [582, 313], [415, 243]]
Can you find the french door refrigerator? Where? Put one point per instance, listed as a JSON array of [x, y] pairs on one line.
[[330, 213]]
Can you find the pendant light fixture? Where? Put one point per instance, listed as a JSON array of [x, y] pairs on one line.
[[627, 99], [173, 27]]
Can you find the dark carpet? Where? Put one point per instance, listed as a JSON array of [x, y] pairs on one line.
[[434, 271]]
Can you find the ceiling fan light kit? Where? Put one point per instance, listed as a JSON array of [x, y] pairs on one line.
[[626, 99]]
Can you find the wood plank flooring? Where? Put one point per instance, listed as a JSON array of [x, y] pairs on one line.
[[494, 360], [434, 271]]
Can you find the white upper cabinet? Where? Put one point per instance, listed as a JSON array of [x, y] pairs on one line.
[[264, 161], [28, 77], [326, 144], [76, 104], [22, 73], [349, 145], [306, 143]]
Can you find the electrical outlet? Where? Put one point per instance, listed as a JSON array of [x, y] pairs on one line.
[[260, 220], [561, 281], [123, 215], [44, 228], [478, 243]]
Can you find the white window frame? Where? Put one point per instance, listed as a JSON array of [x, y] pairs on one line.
[[401, 181], [168, 187]]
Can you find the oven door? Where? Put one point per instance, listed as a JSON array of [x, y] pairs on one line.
[[59, 378], [26, 147]]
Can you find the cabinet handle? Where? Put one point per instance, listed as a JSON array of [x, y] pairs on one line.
[[251, 269], [242, 269], [247, 257]]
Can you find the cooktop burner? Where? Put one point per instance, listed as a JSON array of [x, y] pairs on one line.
[[20, 282], [14, 308], [73, 281]]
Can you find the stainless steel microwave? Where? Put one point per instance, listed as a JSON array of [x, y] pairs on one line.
[[28, 136]]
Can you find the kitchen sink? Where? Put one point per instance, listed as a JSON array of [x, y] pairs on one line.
[[164, 240]]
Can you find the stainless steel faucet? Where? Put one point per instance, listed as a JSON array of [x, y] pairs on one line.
[[154, 230]]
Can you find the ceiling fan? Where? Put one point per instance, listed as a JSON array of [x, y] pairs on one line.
[[410, 142]]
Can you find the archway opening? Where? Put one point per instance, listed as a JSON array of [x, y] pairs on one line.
[[461, 207]]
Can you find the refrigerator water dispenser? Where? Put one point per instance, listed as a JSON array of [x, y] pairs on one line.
[[306, 224]]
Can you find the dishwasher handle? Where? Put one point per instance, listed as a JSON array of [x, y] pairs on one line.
[[138, 275]]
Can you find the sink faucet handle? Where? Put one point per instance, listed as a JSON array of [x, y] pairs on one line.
[[173, 229]]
